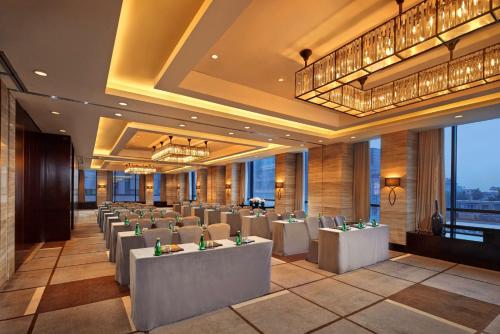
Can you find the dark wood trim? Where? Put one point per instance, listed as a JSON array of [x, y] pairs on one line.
[[397, 247], [86, 205]]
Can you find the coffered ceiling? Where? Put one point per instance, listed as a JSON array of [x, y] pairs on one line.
[[156, 57]]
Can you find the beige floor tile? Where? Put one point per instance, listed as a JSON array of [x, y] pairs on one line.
[[84, 258], [374, 282], [83, 249], [494, 326], [485, 292], [403, 271], [104, 317], [480, 274], [27, 279], [223, 321], [336, 296], [39, 263], [295, 314], [395, 253], [392, 318], [275, 261], [312, 267], [425, 262], [342, 327], [84, 271], [275, 288], [288, 275], [14, 303], [85, 241], [47, 252], [16, 326]]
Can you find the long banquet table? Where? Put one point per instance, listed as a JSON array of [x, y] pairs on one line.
[[198, 212], [290, 238], [172, 287], [253, 225], [341, 251], [212, 216], [233, 220]]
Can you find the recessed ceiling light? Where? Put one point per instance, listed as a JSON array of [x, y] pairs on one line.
[[118, 114], [122, 103], [62, 130], [55, 112], [214, 56], [230, 133], [194, 117], [53, 97], [459, 116], [281, 79], [270, 139], [320, 141], [353, 137], [182, 125], [247, 127], [40, 73], [85, 102], [287, 135]]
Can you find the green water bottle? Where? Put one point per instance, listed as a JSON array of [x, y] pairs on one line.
[[137, 229], [158, 247], [202, 242], [152, 221], [344, 227], [238, 238], [127, 222], [290, 219], [319, 215]]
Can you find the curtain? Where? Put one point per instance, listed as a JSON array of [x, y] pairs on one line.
[[109, 186], [430, 177], [361, 181], [299, 185], [81, 186], [242, 182], [163, 187], [142, 188]]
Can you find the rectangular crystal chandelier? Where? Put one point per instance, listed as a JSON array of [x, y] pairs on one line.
[[177, 153], [414, 31], [468, 71], [139, 169]]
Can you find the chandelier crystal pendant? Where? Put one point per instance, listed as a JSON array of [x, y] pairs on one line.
[[177, 153], [422, 27], [139, 169]]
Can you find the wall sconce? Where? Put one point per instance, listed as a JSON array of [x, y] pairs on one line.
[[101, 186], [393, 183], [228, 187], [149, 187], [279, 187]]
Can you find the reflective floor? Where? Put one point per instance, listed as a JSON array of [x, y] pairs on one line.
[[69, 287]]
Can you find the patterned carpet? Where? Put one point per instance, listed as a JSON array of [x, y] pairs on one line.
[[69, 287]]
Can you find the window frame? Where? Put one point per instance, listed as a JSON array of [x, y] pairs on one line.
[[250, 182], [136, 187]]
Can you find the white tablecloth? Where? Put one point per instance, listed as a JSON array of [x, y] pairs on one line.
[[124, 243], [186, 211], [253, 225], [233, 220], [115, 229], [107, 227], [290, 238], [169, 288], [340, 252], [212, 216]]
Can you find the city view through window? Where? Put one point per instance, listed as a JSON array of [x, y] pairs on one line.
[[375, 179]]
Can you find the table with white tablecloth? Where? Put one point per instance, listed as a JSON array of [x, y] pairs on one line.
[[341, 251], [211, 216], [186, 210], [176, 207], [233, 220], [168, 288], [115, 229], [100, 218], [198, 212], [253, 225], [290, 238], [107, 227], [125, 241]]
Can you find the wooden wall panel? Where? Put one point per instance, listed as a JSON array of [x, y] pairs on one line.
[[399, 159], [330, 180], [102, 180], [285, 172], [148, 188], [172, 182], [201, 183], [216, 182]]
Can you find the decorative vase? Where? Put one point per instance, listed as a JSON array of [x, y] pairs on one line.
[[437, 221]]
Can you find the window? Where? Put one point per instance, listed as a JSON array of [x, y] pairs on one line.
[[125, 187], [192, 186], [90, 185], [157, 187], [472, 180], [260, 178], [375, 145], [305, 168]]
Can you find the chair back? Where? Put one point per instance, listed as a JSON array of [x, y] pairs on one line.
[[164, 222], [312, 224], [244, 212], [219, 231], [299, 214], [327, 222], [150, 236], [190, 221], [286, 215], [271, 216], [189, 234], [339, 220], [171, 214]]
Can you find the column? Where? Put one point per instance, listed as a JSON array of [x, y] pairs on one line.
[[285, 174], [216, 184], [149, 184], [102, 186], [399, 159], [172, 193], [201, 184]]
